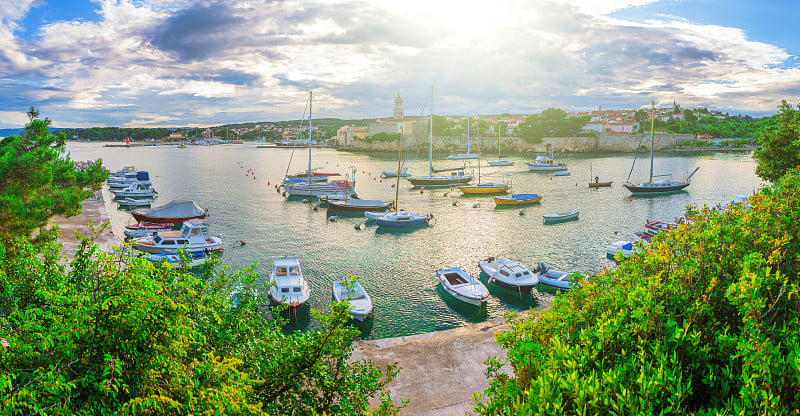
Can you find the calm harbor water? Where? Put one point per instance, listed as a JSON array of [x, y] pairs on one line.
[[397, 267]]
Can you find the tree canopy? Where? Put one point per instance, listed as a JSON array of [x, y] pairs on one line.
[[780, 145], [38, 180], [97, 338], [706, 320], [553, 122]]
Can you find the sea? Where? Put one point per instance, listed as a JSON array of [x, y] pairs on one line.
[[237, 184]]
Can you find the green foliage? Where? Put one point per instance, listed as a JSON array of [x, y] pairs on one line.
[[440, 124], [97, 338], [38, 180], [552, 122], [780, 149], [706, 320]]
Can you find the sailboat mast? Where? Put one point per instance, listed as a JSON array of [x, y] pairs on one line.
[[430, 141], [310, 176], [652, 136], [479, 153], [397, 187]]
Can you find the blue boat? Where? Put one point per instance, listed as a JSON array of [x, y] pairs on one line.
[[517, 199], [193, 258]]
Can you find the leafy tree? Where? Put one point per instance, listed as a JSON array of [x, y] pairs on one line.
[[705, 320], [440, 124], [381, 137], [552, 122], [97, 338], [780, 147], [38, 180]]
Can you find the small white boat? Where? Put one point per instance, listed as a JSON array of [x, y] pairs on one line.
[[562, 173], [174, 260], [503, 162], [144, 229], [352, 291], [553, 278], [400, 218], [545, 164], [508, 274], [393, 173], [627, 248], [134, 190], [463, 286], [191, 237], [561, 216], [133, 202], [463, 156], [288, 286]]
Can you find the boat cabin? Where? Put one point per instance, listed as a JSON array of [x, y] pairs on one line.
[[192, 231], [288, 278]]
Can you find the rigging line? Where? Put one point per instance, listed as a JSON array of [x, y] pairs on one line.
[[299, 136], [419, 118], [634, 158]]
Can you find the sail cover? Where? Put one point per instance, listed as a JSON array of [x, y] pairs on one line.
[[176, 209]]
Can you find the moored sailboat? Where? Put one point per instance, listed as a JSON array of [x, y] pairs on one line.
[[457, 177], [659, 187]]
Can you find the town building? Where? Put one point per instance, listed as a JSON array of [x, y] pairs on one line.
[[399, 123], [347, 134]]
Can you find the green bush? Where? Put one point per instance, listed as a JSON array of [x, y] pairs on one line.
[[97, 338], [381, 137], [706, 320]]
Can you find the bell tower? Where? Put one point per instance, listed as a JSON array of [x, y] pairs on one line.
[[398, 107]]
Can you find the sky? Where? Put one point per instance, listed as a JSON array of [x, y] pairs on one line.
[[170, 63]]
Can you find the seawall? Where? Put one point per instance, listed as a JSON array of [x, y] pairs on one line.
[[605, 142]]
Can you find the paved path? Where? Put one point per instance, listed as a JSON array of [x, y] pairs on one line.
[[92, 210]]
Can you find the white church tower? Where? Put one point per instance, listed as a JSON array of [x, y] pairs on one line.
[[398, 107]]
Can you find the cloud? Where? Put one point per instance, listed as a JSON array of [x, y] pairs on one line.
[[210, 62]]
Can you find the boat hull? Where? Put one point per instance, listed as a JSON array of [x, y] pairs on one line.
[[600, 184], [470, 290], [400, 223], [502, 163], [440, 180], [500, 280], [532, 167], [481, 189], [561, 216], [344, 206], [464, 156], [654, 190], [512, 200]]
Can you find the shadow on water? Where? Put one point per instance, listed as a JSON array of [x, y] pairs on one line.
[[400, 230], [469, 312], [519, 301], [518, 206], [656, 195], [297, 321]]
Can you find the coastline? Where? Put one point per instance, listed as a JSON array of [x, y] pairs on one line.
[[440, 371]]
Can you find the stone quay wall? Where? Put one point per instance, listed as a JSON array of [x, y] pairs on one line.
[[604, 142]]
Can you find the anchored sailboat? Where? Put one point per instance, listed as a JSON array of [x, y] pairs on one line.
[[650, 187], [500, 160], [457, 175]]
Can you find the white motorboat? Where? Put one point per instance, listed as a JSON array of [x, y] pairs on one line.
[[122, 172], [287, 284], [352, 291], [627, 248], [191, 237], [144, 229], [561, 173], [546, 164], [133, 202], [463, 286], [191, 259], [553, 278], [508, 274], [134, 190], [561, 216], [122, 181]]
